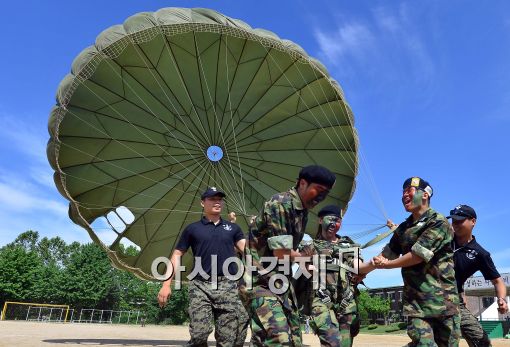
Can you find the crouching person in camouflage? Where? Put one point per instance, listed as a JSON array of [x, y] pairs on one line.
[[275, 234], [211, 300], [333, 310]]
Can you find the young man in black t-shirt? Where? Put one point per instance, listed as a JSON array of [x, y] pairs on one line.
[[211, 237], [469, 257]]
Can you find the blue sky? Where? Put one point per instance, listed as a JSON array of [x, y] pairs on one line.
[[428, 83]]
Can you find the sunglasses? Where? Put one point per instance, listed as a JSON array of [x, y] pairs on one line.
[[460, 213]]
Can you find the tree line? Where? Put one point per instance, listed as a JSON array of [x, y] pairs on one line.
[[50, 271]]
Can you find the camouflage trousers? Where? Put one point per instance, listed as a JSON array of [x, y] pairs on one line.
[[274, 324], [221, 306], [431, 332], [471, 329], [349, 327], [333, 330]]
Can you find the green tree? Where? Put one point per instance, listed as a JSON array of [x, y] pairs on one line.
[[52, 251], [371, 305], [27, 240], [20, 271], [50, 271], [88, 279]]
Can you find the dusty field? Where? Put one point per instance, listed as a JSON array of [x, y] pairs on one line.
[[66, 335]]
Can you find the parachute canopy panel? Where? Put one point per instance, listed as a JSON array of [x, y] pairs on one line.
[[174, 101]]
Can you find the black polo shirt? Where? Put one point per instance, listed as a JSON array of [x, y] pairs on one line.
[[469, 259], [206, 239]]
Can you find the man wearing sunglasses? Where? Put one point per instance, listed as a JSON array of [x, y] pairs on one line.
[[470, 257], [430, 294]]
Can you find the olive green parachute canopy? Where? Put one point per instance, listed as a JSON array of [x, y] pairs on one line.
[[177, 100]]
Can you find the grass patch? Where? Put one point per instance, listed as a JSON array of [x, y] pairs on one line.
[[382, 329]]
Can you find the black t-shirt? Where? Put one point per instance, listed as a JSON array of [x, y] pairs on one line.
[[206, 239], [469, 259]]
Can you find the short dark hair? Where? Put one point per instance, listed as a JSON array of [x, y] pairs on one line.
[[317, 174]]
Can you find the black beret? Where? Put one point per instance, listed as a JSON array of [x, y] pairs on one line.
[[418, 183], [330, 210], [317, 174]]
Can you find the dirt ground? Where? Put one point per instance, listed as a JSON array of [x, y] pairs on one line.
[[22, 333]]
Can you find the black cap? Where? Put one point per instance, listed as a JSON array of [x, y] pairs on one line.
[[212, 191], [418, 183], [330, 210], [317, 174], [462, 212]]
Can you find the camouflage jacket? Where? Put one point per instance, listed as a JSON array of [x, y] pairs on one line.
[[430, 289], [339, 288], [280, 225]]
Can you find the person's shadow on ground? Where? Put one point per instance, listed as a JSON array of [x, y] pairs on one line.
[[124, 342]]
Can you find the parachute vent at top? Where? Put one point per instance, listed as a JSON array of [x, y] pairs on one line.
[[174, 101]]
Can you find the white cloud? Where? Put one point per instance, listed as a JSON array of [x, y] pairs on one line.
[[24, 137], [42, 174], [385, 20], [47, 224], [353, 39], [12, 198], [388, 49], [28, 195]]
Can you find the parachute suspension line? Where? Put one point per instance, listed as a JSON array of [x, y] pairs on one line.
[[179, 73], [151, 112], [253, 133], [240, 197], [367, 232], [129, 122], [191, 204], [312, 113], [375, 192], [91, 206], [169, 49], [358, 224], [99, 206], [347, 144], [309, 109], [232, 124], [170, 101], [127, 191], [334, 130], [364, 162], [227, 187], [117, 166]]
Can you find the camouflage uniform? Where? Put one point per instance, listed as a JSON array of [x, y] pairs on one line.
[[334, 312], [229, 314], [280, 225], [430, 292], [471, 329]]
